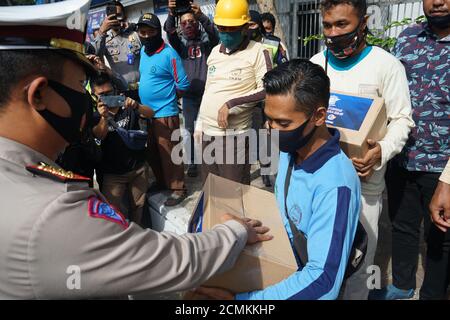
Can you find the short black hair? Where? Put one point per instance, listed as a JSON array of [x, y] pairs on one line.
[[306, 81], [267, 16], [118, 4], [100, 79], [15, 65], [359, 5]]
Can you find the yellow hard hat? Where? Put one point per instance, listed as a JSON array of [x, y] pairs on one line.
[[231, 13]]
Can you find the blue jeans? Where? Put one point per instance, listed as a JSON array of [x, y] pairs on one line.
[[191, 106]]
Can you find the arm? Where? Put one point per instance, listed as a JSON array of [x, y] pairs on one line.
[[263, 64], [172, 34], [179, 75], [210, 29], [100, 44], [399, 114], [100, 40], [330, 236], [440, 203], [100, 130], [395, 92], [143, 111], [114, 258]]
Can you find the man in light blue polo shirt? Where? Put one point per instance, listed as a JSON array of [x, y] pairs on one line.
[[163, 81], [324, 193]]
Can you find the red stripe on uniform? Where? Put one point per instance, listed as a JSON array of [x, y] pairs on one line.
[[175, 72]]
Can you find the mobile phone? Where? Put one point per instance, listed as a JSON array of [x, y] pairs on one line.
[[111, 9], [113, 101]]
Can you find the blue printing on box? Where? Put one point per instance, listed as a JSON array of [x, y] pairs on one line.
[[196, 224], [347, 111]]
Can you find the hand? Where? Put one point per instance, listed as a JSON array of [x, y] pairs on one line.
[[196, 9], [364, 166], [172, 6], [131, 104], [256, 232], [222, 118], [440, 206], [97, 62], [215, 293], [102, 109], [110, 22]]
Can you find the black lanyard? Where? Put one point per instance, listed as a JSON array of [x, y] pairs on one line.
[[299, 241]]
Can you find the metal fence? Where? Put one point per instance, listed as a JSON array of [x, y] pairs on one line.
[[301, 19]]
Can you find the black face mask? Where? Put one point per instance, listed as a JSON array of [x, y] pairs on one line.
[[344, 45], [151, 44], [439, 22], [69, 128], [293, 140]]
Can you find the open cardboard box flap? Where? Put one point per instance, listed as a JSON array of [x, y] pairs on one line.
[[259, 265]]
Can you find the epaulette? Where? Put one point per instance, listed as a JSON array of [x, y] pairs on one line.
[[57, 174]]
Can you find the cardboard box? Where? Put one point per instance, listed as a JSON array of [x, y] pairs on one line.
[[357, 118], [259, 265]]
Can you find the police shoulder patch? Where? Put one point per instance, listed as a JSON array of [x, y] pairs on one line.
[[98, 208], [57, 174]]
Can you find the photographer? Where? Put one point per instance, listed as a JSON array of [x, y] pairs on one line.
[[123, 169], [119, 44], [194, 46], [82, 156]]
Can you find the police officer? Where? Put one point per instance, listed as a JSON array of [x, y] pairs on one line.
[[119, 44], [58, 237]]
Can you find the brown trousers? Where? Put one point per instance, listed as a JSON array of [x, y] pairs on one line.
[[135, 183], [233, 171], [159, 151]]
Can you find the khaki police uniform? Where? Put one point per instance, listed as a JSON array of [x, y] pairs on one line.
[[116, 47], [61, 239], [49, 236]]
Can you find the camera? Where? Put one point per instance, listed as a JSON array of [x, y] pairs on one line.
[[182, 7], [113, 101]]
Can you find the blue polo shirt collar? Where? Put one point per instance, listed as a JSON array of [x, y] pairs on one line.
[[322, 155]]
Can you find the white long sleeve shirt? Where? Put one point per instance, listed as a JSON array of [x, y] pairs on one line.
[[445, 176], [376, 72]]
